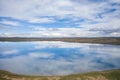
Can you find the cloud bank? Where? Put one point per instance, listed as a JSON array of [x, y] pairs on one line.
[[74, 18]]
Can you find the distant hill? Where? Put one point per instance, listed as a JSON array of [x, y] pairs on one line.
[[101, 40], [98, 75]]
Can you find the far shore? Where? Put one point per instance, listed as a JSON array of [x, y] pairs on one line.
[[99, 40]]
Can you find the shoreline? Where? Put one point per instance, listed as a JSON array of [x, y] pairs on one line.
[[100, 40], [95, 75]]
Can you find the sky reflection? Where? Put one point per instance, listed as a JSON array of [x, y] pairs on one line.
[[57, 58]]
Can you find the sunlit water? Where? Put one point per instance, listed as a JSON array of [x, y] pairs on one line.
[[57, 58]]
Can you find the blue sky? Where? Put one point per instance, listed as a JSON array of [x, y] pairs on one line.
[[59, 18]]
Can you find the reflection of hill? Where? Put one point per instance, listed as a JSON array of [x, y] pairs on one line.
[[104, 40], [101, 75]]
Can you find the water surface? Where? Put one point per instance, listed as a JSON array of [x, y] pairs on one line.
[[57, 58]]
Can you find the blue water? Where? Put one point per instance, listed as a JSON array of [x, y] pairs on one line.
[[57, 58]]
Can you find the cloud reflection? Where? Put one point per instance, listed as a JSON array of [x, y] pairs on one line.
[[62, 58]]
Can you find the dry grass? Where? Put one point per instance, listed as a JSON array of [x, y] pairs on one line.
[[101, 75]]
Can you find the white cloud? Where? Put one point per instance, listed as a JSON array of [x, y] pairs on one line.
[[49, 11], [91, 30], [115, 34], [41, 20], [110, 27], [56, 32], [32, 10], [116, 1], [64, 32], [8, 22], [60, 8]]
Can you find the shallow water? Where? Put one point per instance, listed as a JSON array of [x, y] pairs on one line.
[[57, 58]]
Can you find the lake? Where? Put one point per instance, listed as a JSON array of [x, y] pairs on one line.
[[57, 58]]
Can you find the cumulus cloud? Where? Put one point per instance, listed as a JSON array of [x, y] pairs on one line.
[[60, 8], [92, 18], [31, 9], [96, 30], [56, 32], [11, 23], [41, 20]]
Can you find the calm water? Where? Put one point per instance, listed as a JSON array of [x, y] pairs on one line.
[[57, 58]]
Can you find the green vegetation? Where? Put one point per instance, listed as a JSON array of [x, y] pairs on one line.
[[98, 75]]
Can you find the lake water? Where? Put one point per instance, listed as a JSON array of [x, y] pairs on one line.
[[57, 58]]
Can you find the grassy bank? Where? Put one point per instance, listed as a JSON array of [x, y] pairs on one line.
[[99, 75]]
